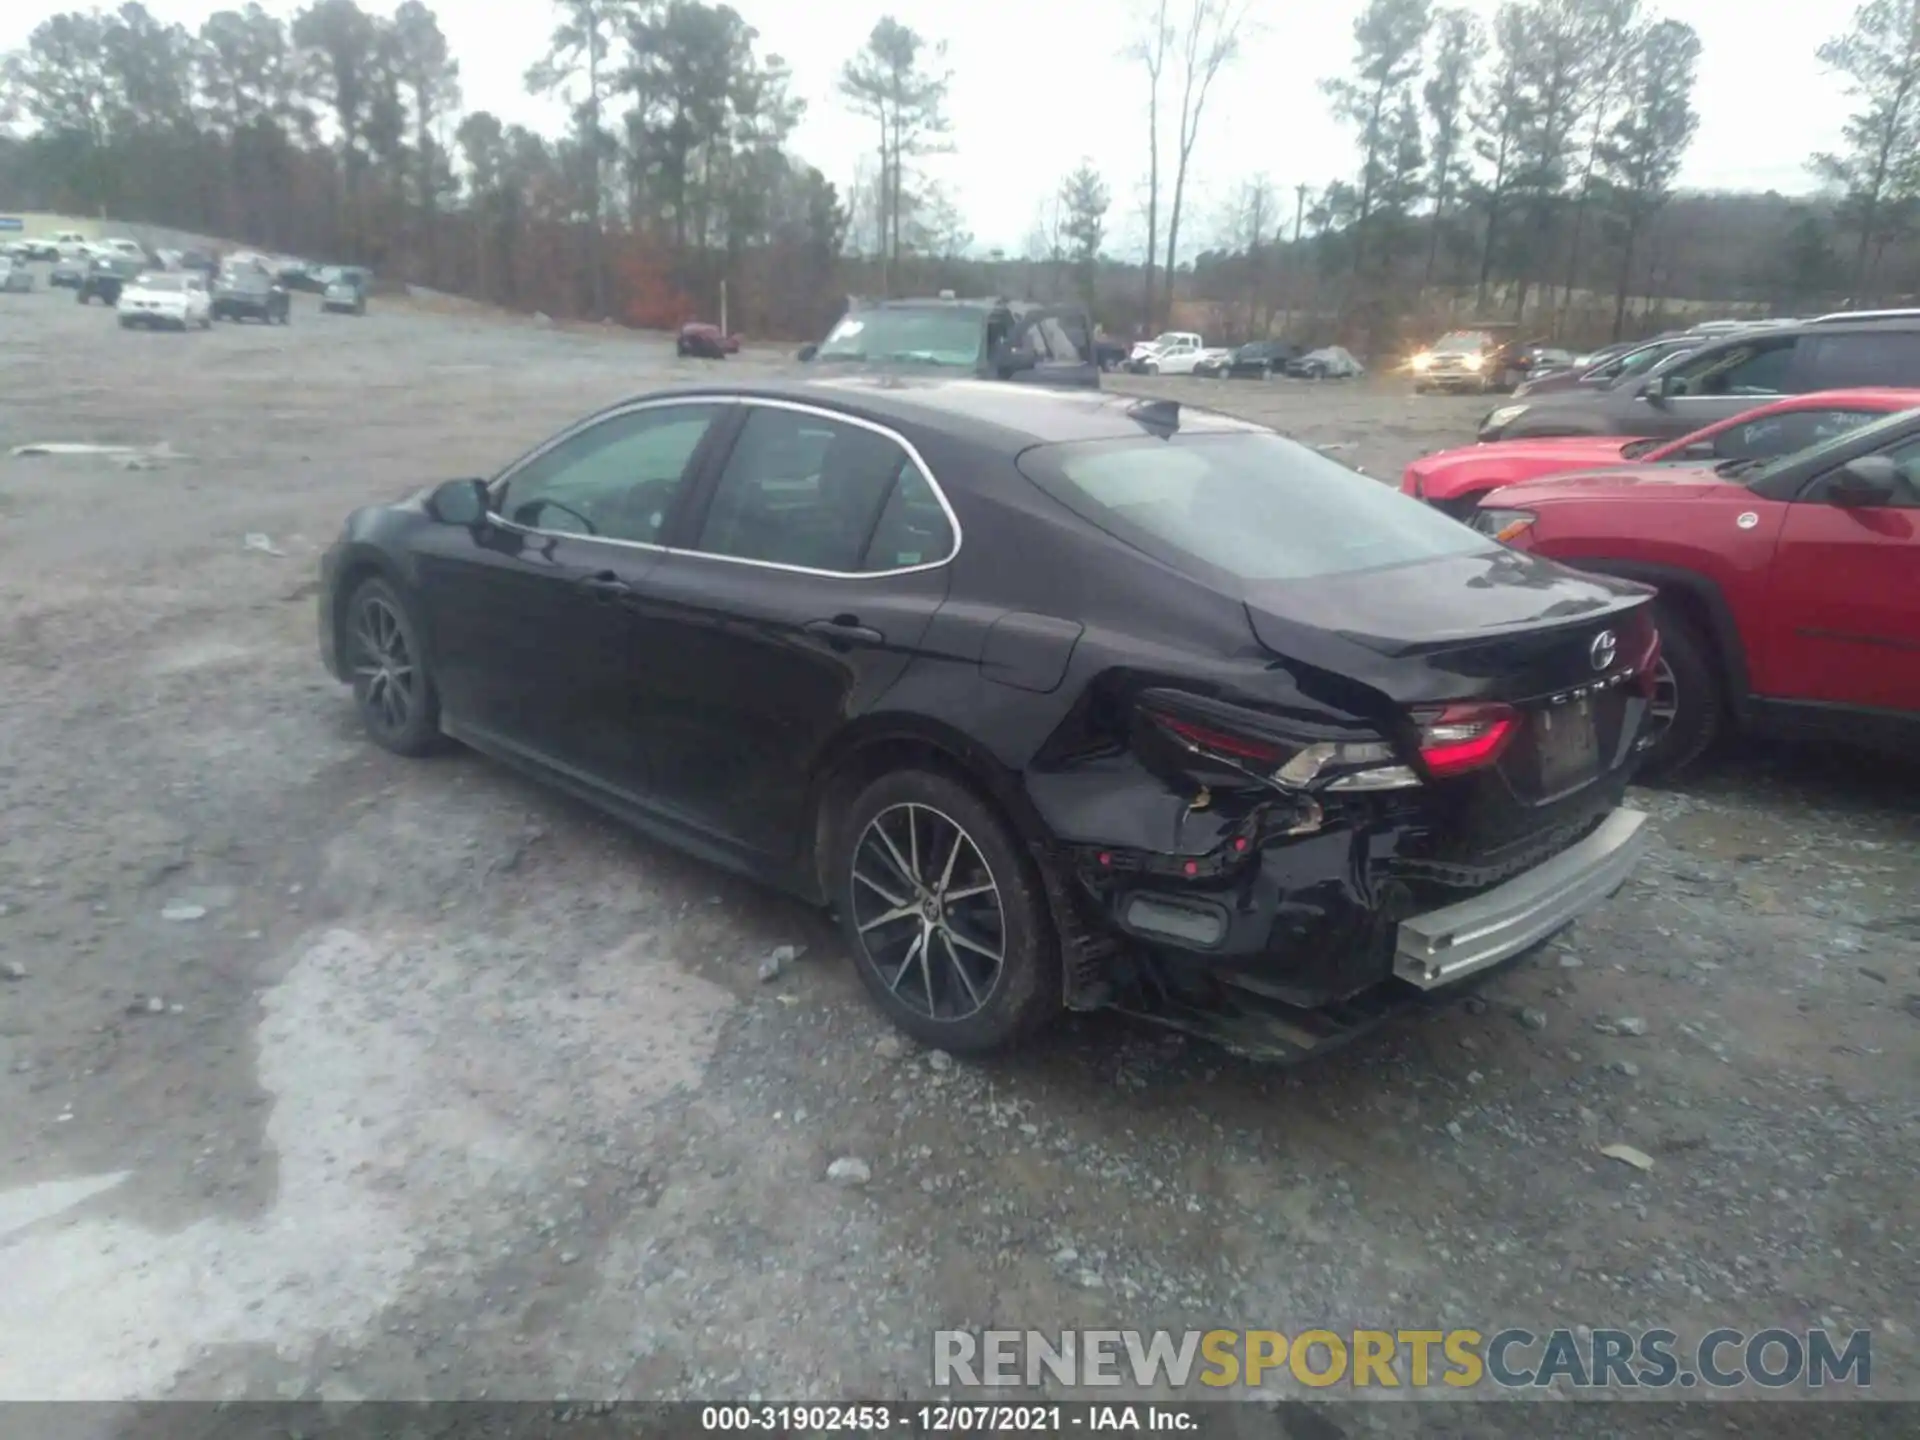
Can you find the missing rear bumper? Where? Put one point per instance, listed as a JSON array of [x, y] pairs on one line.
[[1445, 945]]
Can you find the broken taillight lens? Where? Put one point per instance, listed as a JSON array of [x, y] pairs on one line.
[[1646, 673], [1459, 738], [1211, 740]]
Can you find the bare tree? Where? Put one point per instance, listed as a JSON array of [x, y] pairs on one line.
[[1639, 159], [1209, 42], [1457, 43], [576, 61], [1880, 168], [1150, 49], [1387, 39], [1253, 229], [1614, 32], [899, 80]]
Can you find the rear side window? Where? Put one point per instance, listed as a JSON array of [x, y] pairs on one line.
[[1247, 507], [804, 490], [1888, 357]]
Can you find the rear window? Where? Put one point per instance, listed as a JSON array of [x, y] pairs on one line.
[[162, 282], [1244, 507]]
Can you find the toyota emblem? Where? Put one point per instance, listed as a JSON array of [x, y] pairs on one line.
[[1604, 647]]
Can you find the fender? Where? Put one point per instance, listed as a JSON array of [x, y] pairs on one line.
[[1725, 629]]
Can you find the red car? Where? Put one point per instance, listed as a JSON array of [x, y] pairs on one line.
[[1454, 480], [707, 342], [1789, 588]]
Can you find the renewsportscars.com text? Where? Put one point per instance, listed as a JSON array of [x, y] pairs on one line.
[[1513, 1358]]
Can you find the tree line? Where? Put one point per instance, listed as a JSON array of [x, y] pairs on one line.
[[1527, 170], [340, 134]]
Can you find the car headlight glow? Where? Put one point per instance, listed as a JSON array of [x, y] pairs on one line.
[[1472, 362], [1422, 361], [1503, 525], [1503, 417]]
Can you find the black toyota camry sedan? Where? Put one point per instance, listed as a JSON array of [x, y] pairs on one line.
[[1059, 700]]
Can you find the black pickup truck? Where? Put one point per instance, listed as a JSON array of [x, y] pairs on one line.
[[993, 339]]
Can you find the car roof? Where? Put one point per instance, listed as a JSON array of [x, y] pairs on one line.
[[1010, 417]]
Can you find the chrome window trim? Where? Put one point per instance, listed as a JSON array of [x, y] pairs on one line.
[[500, 481]]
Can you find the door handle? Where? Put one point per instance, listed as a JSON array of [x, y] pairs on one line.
[[843, 632], [604, 587]]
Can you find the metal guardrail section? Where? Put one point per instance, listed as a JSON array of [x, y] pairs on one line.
[[1443, 945]]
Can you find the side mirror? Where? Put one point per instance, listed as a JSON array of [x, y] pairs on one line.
[[806, 353], [1865, 480], [1654, 392], [458, 502]]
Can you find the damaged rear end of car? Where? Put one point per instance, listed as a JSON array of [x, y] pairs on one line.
[[1399, 765]]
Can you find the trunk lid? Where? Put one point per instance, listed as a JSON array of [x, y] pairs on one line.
[[1498, 625], [1561, 651]]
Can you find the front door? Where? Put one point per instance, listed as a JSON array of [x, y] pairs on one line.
[[1844, 604], [812, 572], [531, 617], [1062, 347], [1717, 384]]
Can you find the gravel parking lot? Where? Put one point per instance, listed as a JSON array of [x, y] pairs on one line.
[[327, 1074]]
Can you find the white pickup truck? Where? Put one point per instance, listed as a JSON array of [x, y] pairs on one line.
[[1171, 353]]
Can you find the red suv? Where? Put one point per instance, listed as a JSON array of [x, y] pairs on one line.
[[1789, 588]]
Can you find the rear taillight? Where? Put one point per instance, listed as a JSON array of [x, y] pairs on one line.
[[1289, 762], [1459, 738], [1212, 741], [1645, 672]]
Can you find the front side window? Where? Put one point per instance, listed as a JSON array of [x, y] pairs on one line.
[[816, 493], [615, 480], [1250, 507], [1783, 434], [1752, 367]]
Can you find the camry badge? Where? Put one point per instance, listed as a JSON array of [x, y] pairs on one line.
[[1747, 519], [1604, 647]]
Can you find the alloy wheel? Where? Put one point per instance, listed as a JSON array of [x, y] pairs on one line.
[[383, 671], [928, 912]]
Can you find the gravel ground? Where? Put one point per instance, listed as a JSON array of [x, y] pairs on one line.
[[327, 1074]]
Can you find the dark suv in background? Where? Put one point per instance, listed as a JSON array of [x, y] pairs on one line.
[[992, 339], [1725, 376]]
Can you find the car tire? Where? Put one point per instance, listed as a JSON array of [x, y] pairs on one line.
[[1689, 681], [985, 1006], [1149, 368], [397, 703]]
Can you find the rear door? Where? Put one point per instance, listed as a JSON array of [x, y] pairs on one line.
[[1844, 600], [1887, 357], [1061, 340], [805, 576]]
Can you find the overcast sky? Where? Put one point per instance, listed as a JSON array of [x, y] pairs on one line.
[[1037, 84]]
